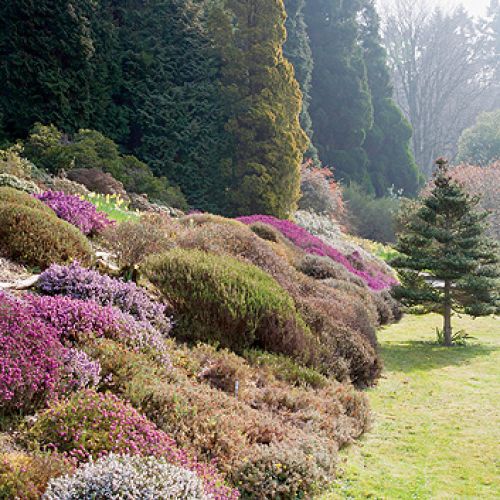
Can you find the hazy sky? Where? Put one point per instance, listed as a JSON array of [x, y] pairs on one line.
[[476, 7]]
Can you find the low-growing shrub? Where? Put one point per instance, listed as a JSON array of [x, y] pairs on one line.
[[91, 424], [81, 283], [132, 241], [321, 268], [230, 427], [83, 320], [219, 299], [17, 197], [12, 162], [80, 371], [315, 246], [64, 185], [8, 180], [81, 213], [31, 358], [32, 237], [26, 476], [349, 311], [123, 477], [266, 232], [96, 180]]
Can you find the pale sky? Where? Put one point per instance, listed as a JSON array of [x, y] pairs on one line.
[[475, 7]]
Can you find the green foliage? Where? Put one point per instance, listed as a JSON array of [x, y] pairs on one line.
[[371, 218], [446, 262], [54, 151], [341, 105], [58, 66], [219, 299], [264, 103], [35, 238], [113, 206], [391, 162], [7, 180], [298, 51], [172, 98], [480, 144]]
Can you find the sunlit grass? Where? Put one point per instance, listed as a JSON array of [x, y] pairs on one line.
[[436, 429], [114, 206]]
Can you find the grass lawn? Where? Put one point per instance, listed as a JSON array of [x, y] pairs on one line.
[[436, 429]]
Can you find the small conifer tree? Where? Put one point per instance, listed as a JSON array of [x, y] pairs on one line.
[[446, 263]]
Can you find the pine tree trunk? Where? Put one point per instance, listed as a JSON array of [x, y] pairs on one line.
[[447, 314]]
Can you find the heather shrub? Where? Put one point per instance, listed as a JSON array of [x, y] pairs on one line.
[[279, 471], [8, 180], [315, 246], [341, 307], [91, 424], [132, 241], [199, 219], [219, 299], [266, 232], [322, 268], [80, 371], [123, 477], [81, 283], [30, 236], [17, 197], [64, 185], [31, 358], [81, 321], [97, 181], [80, 213], [25, 477], [286, 369]]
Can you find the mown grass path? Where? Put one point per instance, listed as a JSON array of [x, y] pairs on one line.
[[436, 429]]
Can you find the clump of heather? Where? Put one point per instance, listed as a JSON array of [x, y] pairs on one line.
[[72, 209], [31, 357], [93, 425], [77, 320], [82, 283], [121, 477], [315, 246], [80, 371]]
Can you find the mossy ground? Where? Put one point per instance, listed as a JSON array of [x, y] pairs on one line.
[[436, 427]]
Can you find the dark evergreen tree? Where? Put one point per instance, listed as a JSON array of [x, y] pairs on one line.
[[341, 107], [171, 94], [387, 144], [57, 65], [446, 264], [298, 51], [264, 103]]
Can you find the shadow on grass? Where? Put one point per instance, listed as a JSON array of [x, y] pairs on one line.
[[409, 356]]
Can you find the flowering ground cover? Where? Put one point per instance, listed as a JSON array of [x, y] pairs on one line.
[[315, 246]]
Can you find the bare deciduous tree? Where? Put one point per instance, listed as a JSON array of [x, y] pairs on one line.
[[442, 65]]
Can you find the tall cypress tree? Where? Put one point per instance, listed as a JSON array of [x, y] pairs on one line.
[[171, 95], [341, 107], [297, 50], [263, 104], [387, 144], [52, 66], [445, 262]]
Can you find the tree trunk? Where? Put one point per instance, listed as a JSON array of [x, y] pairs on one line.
[[447, 314]]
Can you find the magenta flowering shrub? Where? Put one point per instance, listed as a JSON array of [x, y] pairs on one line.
[[31, 357], [72, 209], [82, 283], [76, 319], [91, 424], [315, 246]]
